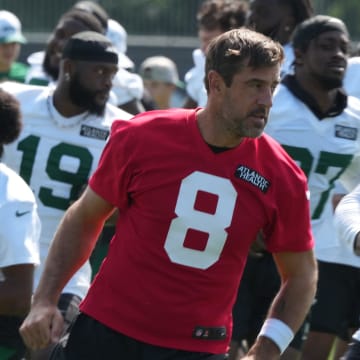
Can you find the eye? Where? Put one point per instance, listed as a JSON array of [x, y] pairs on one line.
[[255, 84], [345, 48], [327, 47]]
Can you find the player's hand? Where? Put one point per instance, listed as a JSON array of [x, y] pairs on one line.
[[43, 326], [258, 357], [263, 349]]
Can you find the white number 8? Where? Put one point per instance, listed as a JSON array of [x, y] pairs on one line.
[[190, 218]]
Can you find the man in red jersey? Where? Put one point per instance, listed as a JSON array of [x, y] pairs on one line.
[[193, 188]]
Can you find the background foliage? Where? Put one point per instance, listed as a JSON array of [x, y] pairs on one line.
[[155, 17]]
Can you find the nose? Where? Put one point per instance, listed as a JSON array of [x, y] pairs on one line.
[[266, 98], [340, 53], [107, 81]]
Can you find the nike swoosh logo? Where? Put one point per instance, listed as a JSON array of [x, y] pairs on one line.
[[21, 213]]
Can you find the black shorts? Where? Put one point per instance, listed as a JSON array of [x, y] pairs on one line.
[[11, 345], [258, 287], [91, 340], [336, 308], [353, 352]]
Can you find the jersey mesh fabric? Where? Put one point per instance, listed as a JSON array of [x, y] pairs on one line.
[[56, 160], [186, 223], [327, 150], [19, 221]]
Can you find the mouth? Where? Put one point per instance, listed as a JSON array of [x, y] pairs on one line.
[[258, 121], [339, 68], [103, 96], [258, 114]]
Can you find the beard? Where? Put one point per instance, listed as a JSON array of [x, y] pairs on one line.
[[329, 83], [85, 98]]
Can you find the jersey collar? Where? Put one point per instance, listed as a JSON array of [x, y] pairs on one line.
[[338, 107]]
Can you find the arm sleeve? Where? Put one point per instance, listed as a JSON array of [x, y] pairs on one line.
[[347, 218], [113, 174], [351, 176], [19, 234]]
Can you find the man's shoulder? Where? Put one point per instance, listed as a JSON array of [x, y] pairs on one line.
[[285, 106], [353, 103], [166, 117], [117, 113], [18, 72], [154, 120], [13, 187], [22, 90], [31, 97], [19, 67], [278, 159], [282, 92]]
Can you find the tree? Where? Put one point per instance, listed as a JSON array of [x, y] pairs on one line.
[[346, 10]]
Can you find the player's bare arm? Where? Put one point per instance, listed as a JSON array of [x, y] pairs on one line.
[[357, 244], [72, 245], [298, 273]]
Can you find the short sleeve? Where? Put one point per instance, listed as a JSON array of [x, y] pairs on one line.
[[19, 233]]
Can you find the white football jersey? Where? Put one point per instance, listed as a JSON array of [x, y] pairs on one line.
[[347, 215], [194, 79], [55, 156], [324, 149], [287, 65], [352, 77], [19, 221]]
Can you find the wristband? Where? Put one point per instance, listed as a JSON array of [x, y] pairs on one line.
[[277, 331]]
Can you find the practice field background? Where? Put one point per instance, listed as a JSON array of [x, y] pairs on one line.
[[155, 27], [166, 27]]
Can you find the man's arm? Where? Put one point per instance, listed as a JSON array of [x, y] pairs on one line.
[[347, 216], [357, 244], [298, 273], [72, 245], [16, 289]]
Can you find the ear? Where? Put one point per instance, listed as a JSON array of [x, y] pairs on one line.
[[299, 57], [216, 82], [68, 66], [289, 24]]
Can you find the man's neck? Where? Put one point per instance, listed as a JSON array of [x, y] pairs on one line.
[[5, 67], [324, 98], [63, 104], [333, 103]]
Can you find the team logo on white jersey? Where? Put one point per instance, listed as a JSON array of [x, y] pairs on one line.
[[253, 177], [346, 132], [93, 132]]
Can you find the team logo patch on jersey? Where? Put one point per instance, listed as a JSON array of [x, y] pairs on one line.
[[346, 132], [93, 132], [209, 333], [253, 177]]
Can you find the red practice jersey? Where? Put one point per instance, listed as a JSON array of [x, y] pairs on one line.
[[187, 218]]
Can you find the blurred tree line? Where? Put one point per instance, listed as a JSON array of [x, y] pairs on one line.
[[347, 10], [156, 17]]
